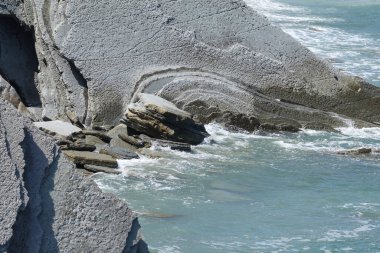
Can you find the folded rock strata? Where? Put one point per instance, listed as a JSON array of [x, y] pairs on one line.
[[47, 205], [208, 57]]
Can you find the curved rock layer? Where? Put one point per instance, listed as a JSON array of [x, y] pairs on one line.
[[95, 55], [47, 205]]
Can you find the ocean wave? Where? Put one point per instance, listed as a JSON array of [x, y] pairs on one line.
[[356, 54]]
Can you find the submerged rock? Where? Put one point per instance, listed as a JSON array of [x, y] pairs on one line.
[[161, 119]]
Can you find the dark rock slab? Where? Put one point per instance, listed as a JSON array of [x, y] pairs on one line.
[[161, 119], [85, 157], [138, 143], [79, 147], [98, 169], [165, 143], [119, 153]]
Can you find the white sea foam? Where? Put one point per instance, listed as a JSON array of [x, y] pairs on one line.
[[334, 235], [353, 53]]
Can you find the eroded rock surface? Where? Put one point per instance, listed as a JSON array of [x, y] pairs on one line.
[[159, 118], [47, 205], [208, 57]]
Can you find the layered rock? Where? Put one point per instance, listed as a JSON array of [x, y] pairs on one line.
[[208, 57], [49, 206], [159, 118]]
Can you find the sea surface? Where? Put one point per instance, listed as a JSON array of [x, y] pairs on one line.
[[240, 192]]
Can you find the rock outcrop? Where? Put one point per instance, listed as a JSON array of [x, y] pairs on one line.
[[208, 57], [47, 205], [158, 118]]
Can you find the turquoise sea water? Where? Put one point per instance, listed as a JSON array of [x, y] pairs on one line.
[[259, 192]]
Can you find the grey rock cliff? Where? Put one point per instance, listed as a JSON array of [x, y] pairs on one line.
[[96, 56], [49, 206]]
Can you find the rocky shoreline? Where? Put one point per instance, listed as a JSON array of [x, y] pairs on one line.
[[105, 80]]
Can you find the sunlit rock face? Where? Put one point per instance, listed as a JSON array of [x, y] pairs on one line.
[[96, 56]]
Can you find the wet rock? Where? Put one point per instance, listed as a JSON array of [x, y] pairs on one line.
[[280, 124], [57, 127], [165, 143], [161, 119], [119, 153], [84, 157], [98, 169], [320, 127], [360, 151], [239, 121]]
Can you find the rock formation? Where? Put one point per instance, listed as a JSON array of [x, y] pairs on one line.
[[85, 61], [49, 206], [208, 57], [161, 119]]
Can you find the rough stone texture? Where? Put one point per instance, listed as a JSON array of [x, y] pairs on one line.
[[208, 57], [47, 205]]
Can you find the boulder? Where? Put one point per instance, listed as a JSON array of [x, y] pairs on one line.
[[84, 157], [161, 119], [58, 127]]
